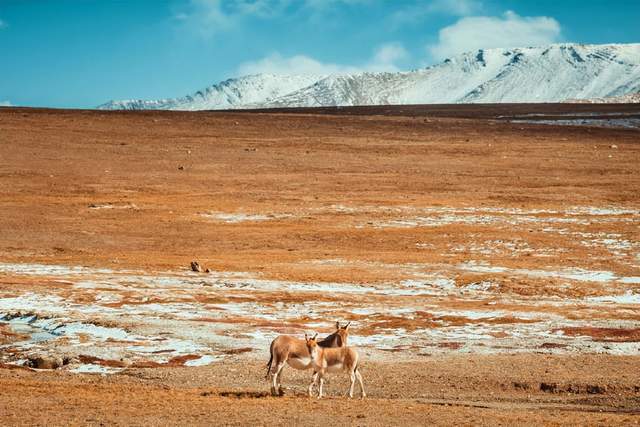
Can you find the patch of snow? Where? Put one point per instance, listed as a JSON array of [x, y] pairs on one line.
[[94, 369], [626, 298], [363, 311], [30, 302], [427, 286], [481, 268], [233, 218], [436, 221], [99, 333], [591, 210], [577, 274], [168, 345], [25, 326], [112, 206], [483, 286], [170, 302], [631, 280], [49, 270], [207, 359]]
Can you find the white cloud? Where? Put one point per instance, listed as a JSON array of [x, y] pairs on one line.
[[205, 17], [385, 58], [297, 64], [208, 17], [260, 8], [417, 12], [479, 32], [6, 104]]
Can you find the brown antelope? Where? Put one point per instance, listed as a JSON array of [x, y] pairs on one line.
[[291, 350], [325, 360]]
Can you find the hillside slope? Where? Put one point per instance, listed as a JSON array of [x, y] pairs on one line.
[[538, 74]]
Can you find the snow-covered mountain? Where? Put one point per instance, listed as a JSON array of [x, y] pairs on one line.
[[232, 93], [537, 74]]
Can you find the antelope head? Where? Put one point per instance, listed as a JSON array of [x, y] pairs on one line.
[[312, 345], [343, 333]]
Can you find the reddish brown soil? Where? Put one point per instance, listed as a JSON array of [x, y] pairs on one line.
[[56, 165], [162, 170], [467, 390]]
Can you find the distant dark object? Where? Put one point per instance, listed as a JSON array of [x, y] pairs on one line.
[[195, 266], [46, 362], [596, 389], [549, 387]]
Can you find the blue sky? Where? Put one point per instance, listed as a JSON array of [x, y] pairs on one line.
[[81, 53]]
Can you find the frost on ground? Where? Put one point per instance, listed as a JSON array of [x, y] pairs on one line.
[[411, 217], [485, 300], [238, 217], [106, 320]]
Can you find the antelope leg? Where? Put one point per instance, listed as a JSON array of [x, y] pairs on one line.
[[321, 384], [361, 385], [313, 382], [274, 379], [352, 376]]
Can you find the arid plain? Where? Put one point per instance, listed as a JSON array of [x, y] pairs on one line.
[[490, 266]]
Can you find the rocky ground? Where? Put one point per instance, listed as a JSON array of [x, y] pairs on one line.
[[490, 268]]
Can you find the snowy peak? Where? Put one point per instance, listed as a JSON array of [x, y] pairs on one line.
[[559, 72], [536, 74], [253, 89]]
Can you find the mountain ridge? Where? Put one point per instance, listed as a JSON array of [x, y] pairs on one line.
[[552, 73]]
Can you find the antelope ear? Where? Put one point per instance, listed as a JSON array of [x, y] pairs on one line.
[[306, 337], [315, 336], [347, 327], [337, 325]]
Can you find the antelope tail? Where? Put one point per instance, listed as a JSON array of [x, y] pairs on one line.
[[270, 361]]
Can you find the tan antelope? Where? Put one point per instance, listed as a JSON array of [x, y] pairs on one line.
[[325, 360], [291, 350]]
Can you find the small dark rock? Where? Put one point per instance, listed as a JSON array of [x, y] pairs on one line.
[[521, 386], [596, 389], [548, 387]]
